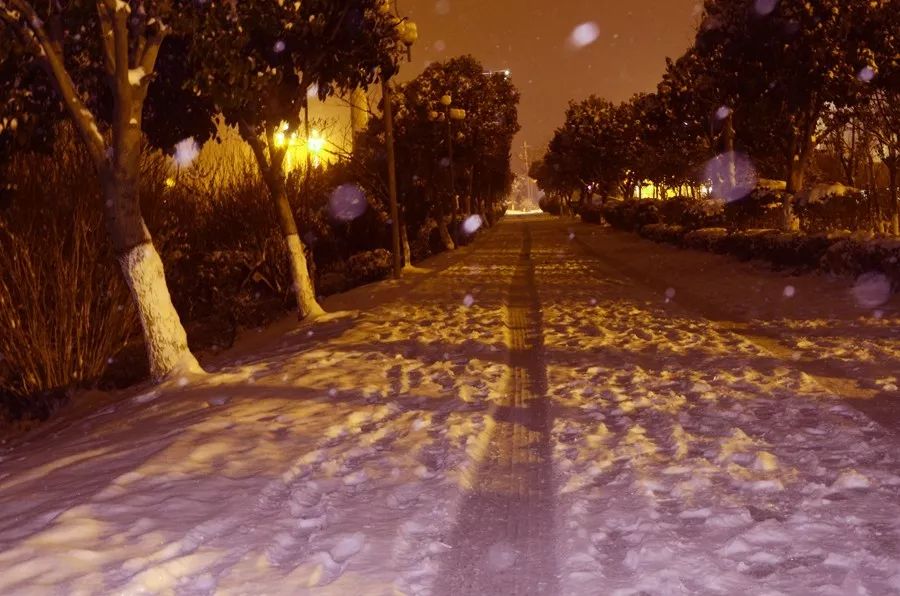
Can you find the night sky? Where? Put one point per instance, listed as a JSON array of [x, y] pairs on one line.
[[531, 38]]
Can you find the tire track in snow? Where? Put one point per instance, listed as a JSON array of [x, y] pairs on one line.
[[503, 541]]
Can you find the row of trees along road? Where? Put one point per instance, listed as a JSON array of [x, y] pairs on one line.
[[481, 143], [132, 73], [776, 80]]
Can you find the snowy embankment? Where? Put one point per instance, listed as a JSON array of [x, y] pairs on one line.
[[712, 454], [333, 460]]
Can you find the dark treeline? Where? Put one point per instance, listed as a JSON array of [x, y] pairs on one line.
[[809, 90]]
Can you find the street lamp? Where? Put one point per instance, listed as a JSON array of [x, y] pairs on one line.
[[450, 114], [407, 34]]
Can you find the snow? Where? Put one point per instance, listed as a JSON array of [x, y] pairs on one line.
[[685, 449], [584, 35], [136, 75]]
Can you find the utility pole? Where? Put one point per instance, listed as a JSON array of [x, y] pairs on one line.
[[528, 175]]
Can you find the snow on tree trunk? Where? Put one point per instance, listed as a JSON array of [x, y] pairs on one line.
[[303, 286], [795, 181], [164, 335], [404, 242], [729, 150]]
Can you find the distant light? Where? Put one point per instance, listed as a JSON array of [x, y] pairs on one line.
[[170, 182], [723, 112], [866, 74], [315, 142], [279, 46], [584, 34]]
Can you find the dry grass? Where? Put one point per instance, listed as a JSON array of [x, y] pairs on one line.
[[64, 311]]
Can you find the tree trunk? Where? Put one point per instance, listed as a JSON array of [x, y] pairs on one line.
[[307, 305], [445, 234], [404, 243], [796, 177], [895, 199], [729, 150], [164, 335]]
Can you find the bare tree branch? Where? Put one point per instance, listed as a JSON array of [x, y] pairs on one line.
[[31, 30], [106, 29]]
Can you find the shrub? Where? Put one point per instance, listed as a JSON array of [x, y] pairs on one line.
[[370, 266], [591, 214], [664, 233], [709, 239], [65, 312], [761, 209], [692, 213], [855, 256], [631, 214], [848, 211], [551, 205], [782, 249]]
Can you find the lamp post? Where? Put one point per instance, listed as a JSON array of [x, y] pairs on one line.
[[407, 33], [449, 114]]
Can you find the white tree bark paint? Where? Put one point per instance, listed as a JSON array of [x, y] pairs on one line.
[[303, 286], [445, 234], [404, 244], [167, 347]]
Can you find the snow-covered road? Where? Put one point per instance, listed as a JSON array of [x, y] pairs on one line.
[[557, 409]]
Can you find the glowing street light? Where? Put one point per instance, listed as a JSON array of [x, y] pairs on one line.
[[316, 142]]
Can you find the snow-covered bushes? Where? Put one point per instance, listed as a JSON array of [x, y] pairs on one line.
[[664, 233], [839, 254], [848, 210], [783, 249], [631, 214], [855, 256], [761, 209], [705, 239], [370, 266], [692, 213]]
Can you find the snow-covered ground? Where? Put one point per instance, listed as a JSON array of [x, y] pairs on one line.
[[558, 408]]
